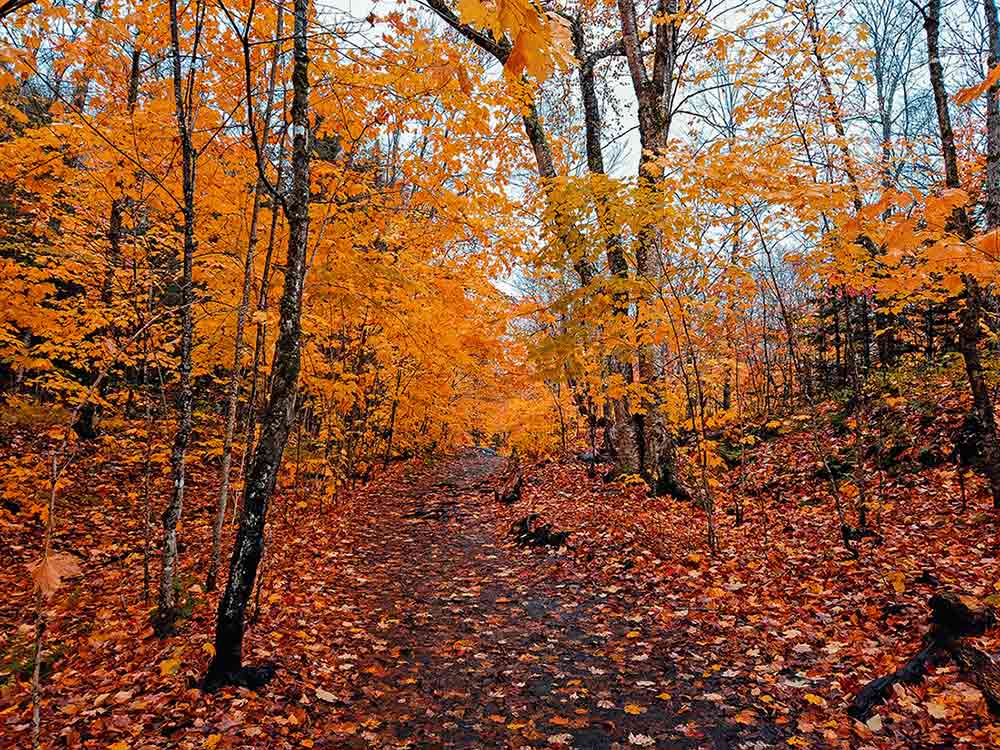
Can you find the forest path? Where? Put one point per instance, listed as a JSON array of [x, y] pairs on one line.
[[444, 635]]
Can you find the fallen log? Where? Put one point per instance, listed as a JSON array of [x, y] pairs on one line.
[[953, 617], [510, 491], [528, 532], [958, 616], [982, 669], [876, 691]]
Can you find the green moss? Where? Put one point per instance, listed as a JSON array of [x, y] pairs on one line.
[[19, 662]]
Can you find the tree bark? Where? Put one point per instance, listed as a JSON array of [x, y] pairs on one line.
[[227, 664], [166, 606], [992, 119], [233, 387], [969, 330], [653, 93]]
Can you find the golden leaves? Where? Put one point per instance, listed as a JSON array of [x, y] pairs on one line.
[[898, 581], [966, 95], [941, 207], [541, 40], [170, 666]]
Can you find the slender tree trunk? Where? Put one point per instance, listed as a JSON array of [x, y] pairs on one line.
[[260, 339], [232, 397], [992, 120], [392, 419], [166, 606], [118, 205], [227, 664], [621, 430], [969, 334], [233, 388]]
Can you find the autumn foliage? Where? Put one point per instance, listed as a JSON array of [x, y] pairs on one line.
[[715, 284]]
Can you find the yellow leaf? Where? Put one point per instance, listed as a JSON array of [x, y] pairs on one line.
[[815, 699], [209, 649], [898, 581], [940, 207], [937, 710], [170, 666], [631, 708], [211, 741]]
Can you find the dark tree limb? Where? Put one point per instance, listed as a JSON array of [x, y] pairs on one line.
[[6, 8], [953, 617], [912, 672]]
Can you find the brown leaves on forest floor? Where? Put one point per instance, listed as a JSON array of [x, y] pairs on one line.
[[405, 617], [783, 603]]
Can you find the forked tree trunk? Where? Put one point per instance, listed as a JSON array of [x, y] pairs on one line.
[[970, 333], [623, 431], [653, 90], [227, 664]]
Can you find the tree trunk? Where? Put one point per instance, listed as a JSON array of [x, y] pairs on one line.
[[622, 430], [992, 120], [227, 664], [653, 93], [233, 389], [969, 331], [166, 609], [392, 419]]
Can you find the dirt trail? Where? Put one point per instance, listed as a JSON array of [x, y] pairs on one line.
[[448, 637]]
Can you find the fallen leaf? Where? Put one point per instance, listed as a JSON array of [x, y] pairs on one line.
[[169, 666], [325, 695], [49, 572], [937, 710]]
